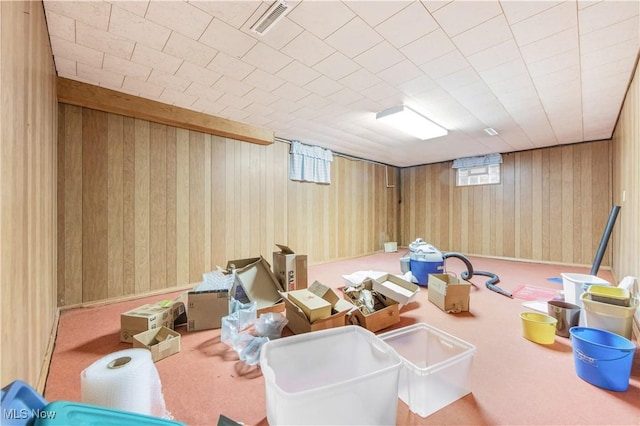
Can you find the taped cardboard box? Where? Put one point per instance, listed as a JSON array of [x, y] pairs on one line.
[[206, 309], [165, 313], [386, 310], [396, 288], [290, 268], [449, 293], [161, 342], [255, 282], [314, 307]]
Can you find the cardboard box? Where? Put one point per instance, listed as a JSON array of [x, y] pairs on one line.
[[166, 313], [396, 288], [298, 322], [206, 309], [449, 293], [386, 314], [255, 282], [290, 268], [325, 292], [162, 342], [313, 306]]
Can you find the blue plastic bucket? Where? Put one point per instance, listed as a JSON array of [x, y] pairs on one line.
[[421, 269], [602, 358]]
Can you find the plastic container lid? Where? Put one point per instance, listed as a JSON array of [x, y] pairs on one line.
[[607, 294]]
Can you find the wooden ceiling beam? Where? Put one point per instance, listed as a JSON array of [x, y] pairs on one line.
[[94, 97]]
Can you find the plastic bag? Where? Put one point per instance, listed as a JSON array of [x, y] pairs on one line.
[[270, 325], [251, 352]]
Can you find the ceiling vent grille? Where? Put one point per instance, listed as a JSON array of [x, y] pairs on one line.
[[275, 12]]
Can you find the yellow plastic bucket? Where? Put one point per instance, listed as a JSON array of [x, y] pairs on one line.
[[539, 328]]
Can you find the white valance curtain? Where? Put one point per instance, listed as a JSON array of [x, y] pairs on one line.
[[309, 163], [483, 160]]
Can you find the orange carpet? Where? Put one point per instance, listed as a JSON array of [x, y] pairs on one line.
[[514, 381]]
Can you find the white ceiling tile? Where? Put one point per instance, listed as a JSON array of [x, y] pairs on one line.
[[234, 101], [608, 36], [65, 49], [291, 92], [506, 51], [192, 51], [61, 26], [433, 5], [583, 4], [65, 66], [558, 78], [298, 73], [136, 28], [103, 41], [287, 31], [483, 36], [445, 64], [517, 11], [474, 91], [104, 78], [618, 69], [261, 96], [204, 92], [179, 16], [379, 57], [313, 101], [167, 80], [263, 80], [354, 38], [228, 65], [381, 91], [197, 74], [336, 66], [457, 17], [93, 13], [418, 85], [374, 12], [155, 59], [324, 86], [321, 18], [345, 96], [235, 13], [266, 58], [546, 23], [551, 46], [139, 7], [145, 89], [458, 79], [258, 109], [427, 48], [606, 13], [225, 38], [366, 104], [207, 107], [609, 54], [569, 59], [407, 25], [125, 67], [231, 85], [286, 106], [360, 80], [400, 73], [308, 49], [232, 113]]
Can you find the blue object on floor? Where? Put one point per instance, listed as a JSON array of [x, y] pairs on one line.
[[20, 404], [556, 280], [421, 269]]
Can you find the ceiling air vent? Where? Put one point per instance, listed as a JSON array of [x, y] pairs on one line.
[[275, 12]]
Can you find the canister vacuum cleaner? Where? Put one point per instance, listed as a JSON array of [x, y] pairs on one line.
[[425, 259]]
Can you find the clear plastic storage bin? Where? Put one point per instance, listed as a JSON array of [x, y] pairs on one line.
[[339, 376], [437, 367]]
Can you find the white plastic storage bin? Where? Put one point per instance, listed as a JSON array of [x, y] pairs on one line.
[[339, 376], [437, 367], [574, 285]]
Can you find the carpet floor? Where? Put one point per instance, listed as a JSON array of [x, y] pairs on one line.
[[514, 381]]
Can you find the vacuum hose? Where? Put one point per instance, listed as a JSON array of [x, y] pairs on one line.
[[466, 275]]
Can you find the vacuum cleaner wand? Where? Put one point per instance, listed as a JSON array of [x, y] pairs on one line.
[[491, 284]]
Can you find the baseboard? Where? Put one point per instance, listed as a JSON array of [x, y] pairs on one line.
[[46, 361]]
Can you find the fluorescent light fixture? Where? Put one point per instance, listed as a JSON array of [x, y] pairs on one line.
[[409, 121], [491, 131]]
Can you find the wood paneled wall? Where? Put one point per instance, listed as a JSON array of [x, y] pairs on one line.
[[552, 205], [27, 191], [145, 207], [626, 179]]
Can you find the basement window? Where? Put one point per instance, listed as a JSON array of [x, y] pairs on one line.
[[483, 170]]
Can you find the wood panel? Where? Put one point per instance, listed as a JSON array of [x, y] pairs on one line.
[[28, 188], [551, 205]]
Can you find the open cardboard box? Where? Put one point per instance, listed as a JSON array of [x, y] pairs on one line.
[[386, 314], [255, 282], [299, 323], [449, 293], [161, 342], [396, 288], [290, 268], [165, 313]]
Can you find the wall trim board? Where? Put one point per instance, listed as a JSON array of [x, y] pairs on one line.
[[46, 359], [543, 262], [94, 97]]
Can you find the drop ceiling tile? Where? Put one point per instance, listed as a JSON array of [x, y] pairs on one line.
[[321, 18], [418, 86], [65, 67], [99, 76], [354, 38], [266, 58], [382, 91], [179, 16], [457, 17], [257, 109], [374, 12], [379, 57], [558, 78], [427, 48], [155, 59], [95, 14], [298, 73], [206, 106], [197, 74], [290, 91], [360, 80], [407, 25], [65, 49], [324, 86], [621, 69], [103, 41], [366, 104], [235, 13], [61, 26], [610, 54], [569, 59], [231, 85], [124, 67], [131, 26], [261, 96], [235, 114], [228, 65], [606, 13], [139, 7], [345, 97], [546, 23], [499, 54], [504, 71], [263, 80], [145, 89], [234, 101], [401, 73], [190, 50], [611, 35], [225, 38], [336, 66], [167, 80], [287, 31], [308, 49], [483, 36], [551, 46], [458, 79], [445, 64]]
